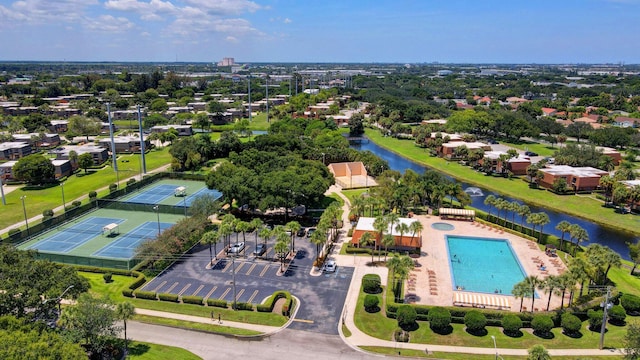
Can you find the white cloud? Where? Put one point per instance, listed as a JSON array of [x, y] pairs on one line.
[[225, 7], [43, 11], [108, 23], [287, 21], [152, 10], [231, 39]]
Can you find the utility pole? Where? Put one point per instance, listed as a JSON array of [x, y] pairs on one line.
[[113, 146], [249, 97], [144, 165], [267, 92], [606, 305]]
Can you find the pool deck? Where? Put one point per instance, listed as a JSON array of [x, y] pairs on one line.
[[430, 282]]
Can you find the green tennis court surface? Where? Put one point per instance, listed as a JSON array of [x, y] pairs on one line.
[[83, 236]]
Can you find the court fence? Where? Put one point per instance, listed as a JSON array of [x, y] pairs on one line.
[[88, 261]]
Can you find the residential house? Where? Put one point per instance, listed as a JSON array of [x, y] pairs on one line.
[[62, 168], [579, 178], [448, 149], [48, 141], [407, 240], [612, 153], [183, 130], [517, 165], [98, 153], [623, 121], [14, 150], [548, 111], [124, 144], [59, 126]]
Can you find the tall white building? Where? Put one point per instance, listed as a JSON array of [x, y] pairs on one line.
[[228, 61]]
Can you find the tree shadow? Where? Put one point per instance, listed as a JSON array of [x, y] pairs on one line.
[[411, 327], [372, 310], [547, 335], [479, 333], [514, 334], [573, 335], [443, 331], [138, 349]]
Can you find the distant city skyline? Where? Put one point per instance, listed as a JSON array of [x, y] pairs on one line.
[[353, 31]]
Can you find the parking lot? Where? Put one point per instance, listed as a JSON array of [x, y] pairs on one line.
[[322, 297]]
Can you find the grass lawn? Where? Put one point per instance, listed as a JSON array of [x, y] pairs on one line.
[[624, 282], [400, 351], [381, 327], [76, 185], [540, 149], [212, 328], [147, 351], [581, 206], [114, 291]]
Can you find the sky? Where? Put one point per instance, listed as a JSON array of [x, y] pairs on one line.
[[353, 31]]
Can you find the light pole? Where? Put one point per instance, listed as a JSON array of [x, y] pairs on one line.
[[184, 202], [495, 346], [64, 203], [606, 305], [157, 210], [24, 210], [233, 280], [4, 202], [60, 297]]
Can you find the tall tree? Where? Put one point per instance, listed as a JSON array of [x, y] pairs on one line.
[[367, 239], [564, 227], [91, 321], [125, 311]]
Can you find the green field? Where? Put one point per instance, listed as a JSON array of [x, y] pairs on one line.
[[148, 351], [582, 206]]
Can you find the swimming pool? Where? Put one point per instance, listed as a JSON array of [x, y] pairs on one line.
[[483, 265]]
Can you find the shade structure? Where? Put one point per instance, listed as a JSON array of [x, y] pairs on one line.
[[110, 229], [450, 213], [481, 300]]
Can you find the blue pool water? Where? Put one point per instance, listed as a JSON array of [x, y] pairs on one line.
[[483, 265]]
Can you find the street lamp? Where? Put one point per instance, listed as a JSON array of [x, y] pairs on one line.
[[59, 298], [184, 202], [156, 209], [64, 203], [233, 280], [24, 210], [606, 305], [495, 346]]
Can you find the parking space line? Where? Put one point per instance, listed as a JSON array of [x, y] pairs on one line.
[[184, 289], [255, 292], [264, 271], [251, 269], [225, 293], [197, 290], [304, 321], [172, 286], [238, 267], [159, 286], [227, 266], [210, 292], [239, 294]]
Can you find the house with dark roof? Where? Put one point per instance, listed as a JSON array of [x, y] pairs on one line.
[[14, 150]]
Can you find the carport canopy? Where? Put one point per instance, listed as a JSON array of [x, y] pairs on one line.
[[450, 213]]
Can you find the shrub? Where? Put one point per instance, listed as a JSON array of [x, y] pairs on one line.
[[371, 303], [47, 214], [76, 203], [630, 303], [138, 282], [13, 231], [406, 316], [570, 324], [595, 319], [475, 321], [267, 306], [107, 277], [127, 293], [149, 295], [217, 303], [350, 232], [401, 336], [371, 284], [511, 324], [113, 187], [192, 300], [168, 297], [439, 318], [244, 306], [131, 181], [617, 315], [542, 324], [93, 195]]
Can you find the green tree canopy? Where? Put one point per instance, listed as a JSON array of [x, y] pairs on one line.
[[34, 169]]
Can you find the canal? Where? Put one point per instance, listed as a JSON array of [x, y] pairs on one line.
[[616, 240]]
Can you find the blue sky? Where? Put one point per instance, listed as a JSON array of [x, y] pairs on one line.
[[401, 31]]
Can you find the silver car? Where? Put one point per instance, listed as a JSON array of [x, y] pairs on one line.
[[236, 248], [329, 266]]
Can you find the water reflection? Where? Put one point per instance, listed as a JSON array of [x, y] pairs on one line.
[[597, 234]]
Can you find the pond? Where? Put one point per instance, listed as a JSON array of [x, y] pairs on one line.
[[616, 240]]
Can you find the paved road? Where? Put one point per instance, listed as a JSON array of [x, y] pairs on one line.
[[287, 344]]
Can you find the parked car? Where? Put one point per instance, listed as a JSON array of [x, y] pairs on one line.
[[530, 153], [302, 232], [236, 248], [260, 249], [310, 232], [329, 266]]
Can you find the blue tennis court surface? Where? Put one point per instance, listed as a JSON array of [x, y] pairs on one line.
[[204, 191], [74, 236], [125, 246], [153, 195]]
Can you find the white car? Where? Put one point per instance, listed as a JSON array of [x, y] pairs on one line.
[[329, 266], [236, 248]]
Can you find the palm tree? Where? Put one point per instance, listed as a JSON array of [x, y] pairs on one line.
[[381, 226], [533, 220], [281, 247], [564, 227], [256, 225], [294, 227], [634, 253], [400, 266], [265, 233], [533, 282], [566, 281], [416, 228], [243, 227], [580, 269], [578, 233], [225, 230], [514, 207], [523, 210], [125, 311], [402, 228], [387, 240], [209, 238], [543, 219], [490, 201], [538, 352], [318, 238], [550, 284], [367, 239], [520, 290]]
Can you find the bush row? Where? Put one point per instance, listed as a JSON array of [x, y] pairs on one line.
[[267, 306]]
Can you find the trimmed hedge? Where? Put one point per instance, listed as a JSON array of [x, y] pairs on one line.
[[371, 303], [268, 305], [127, 293], [439, 318], [149, 295], [197, 300], [571, 324], [244, 306], [630, 303], [217, 303], [511, 324], [371, 283], [475, 321], [542, 324], [168, 297]]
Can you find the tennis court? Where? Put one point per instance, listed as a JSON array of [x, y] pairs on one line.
[[71, 237], [164, 191], [125, 245]]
